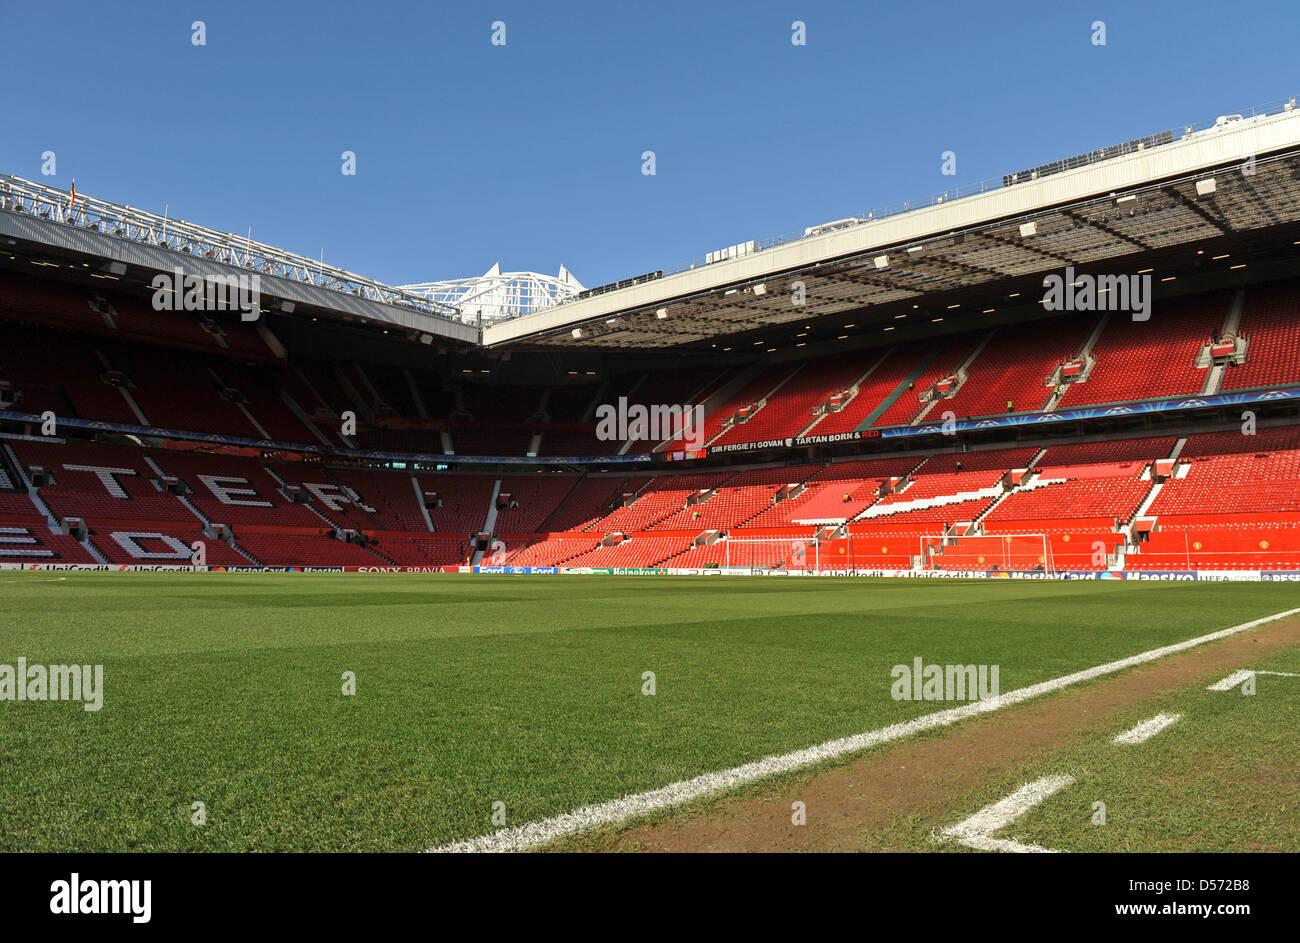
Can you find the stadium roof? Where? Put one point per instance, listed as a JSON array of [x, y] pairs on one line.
[[1141, 203], [119, 236], [1239, 176]]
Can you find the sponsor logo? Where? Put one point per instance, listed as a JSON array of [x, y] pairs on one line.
[[823, 439]]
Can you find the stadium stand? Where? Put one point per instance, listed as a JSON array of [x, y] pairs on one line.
[[1138, 360], [1213, 501], [1270, 324]]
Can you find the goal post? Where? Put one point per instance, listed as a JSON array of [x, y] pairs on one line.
[[760, 554], [1027, 552]]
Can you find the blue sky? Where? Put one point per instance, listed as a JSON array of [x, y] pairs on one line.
[[530, 153]]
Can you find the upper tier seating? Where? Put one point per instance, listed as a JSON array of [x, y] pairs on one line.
[[1014, 366], [1271, 322], [789, 409], [1152, 358], [904, 410], [884, 377], [762, 385]]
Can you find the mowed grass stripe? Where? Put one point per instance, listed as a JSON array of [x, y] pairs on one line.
[[472, 690]]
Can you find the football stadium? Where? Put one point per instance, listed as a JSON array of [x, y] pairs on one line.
[[967, 524]]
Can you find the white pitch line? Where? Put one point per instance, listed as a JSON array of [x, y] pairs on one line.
[[1240, 677], [977, 831], [1230, 682], [616, 811], [1148, 729]]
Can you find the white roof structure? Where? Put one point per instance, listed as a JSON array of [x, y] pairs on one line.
[[499, 296], [1081, 210]]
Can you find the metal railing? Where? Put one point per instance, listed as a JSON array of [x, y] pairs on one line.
[[26, 197]]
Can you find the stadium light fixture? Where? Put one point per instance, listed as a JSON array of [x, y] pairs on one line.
[[661, 314], [1028, 229], [760, 288], [1121, 200], [881, 261], [1206, 187], [914, 251], [577, 332]]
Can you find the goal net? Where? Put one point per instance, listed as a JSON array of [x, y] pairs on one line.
[[773, 553], [989, 552]]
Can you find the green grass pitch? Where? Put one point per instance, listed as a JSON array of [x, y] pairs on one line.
[[226, 689], [1223, 778]]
